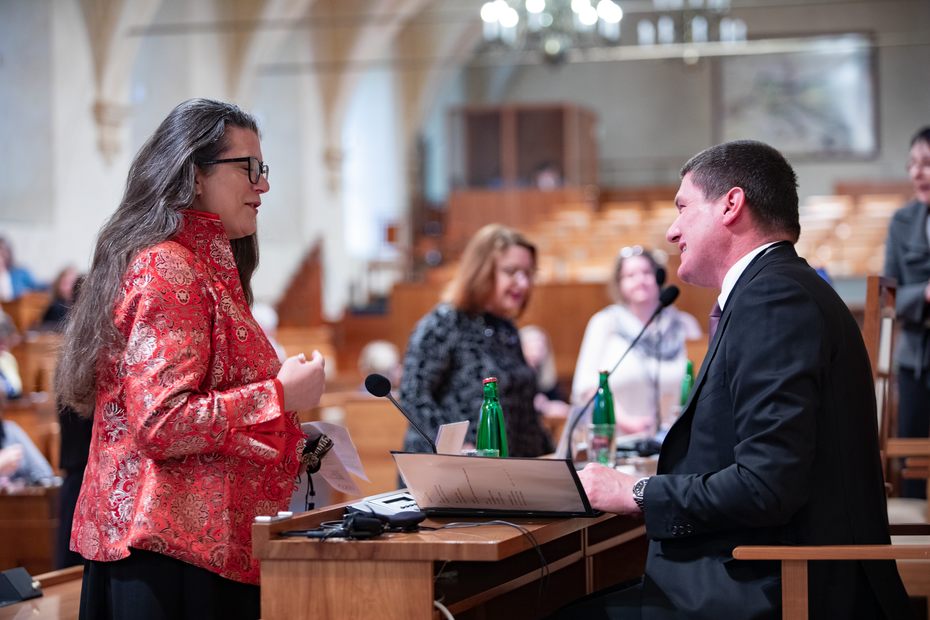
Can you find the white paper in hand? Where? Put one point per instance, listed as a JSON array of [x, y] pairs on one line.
[[341, 460]]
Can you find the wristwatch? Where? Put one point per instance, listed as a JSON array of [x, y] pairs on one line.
[[639, 489]]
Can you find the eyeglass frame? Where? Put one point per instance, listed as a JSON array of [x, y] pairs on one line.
[[630, 251], [263, 168]]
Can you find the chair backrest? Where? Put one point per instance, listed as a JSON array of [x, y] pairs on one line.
[[878, 332]]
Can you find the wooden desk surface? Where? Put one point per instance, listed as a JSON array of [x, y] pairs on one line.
[[481, 572], [60, 600], [478, 544]]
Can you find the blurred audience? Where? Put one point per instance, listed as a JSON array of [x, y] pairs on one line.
[[471, 336], [907, 260], [549, 399], [649, 379], [21, 462], [14, 279], [383, 358], [11, 383], [64, 290]]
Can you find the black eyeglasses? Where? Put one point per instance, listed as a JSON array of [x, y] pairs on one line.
[[257, 168]]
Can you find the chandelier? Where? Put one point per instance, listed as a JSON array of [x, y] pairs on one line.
[[553, 27]]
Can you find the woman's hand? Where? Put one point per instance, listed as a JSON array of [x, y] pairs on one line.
[[303, 381]]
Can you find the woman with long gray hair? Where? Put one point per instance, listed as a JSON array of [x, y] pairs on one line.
[[194, 426]]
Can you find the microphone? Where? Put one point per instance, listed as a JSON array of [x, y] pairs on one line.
[[666, 298], [380, 386], [661, 276]]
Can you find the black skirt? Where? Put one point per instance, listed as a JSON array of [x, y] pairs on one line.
[[152, 586]]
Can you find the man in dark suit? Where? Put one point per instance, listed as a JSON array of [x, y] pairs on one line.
[[777, 444]]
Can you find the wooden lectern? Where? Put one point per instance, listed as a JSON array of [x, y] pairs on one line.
[[491, 571]]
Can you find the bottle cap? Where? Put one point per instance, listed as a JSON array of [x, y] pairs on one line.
[[490, 380]]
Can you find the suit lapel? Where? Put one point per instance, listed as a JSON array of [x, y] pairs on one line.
[[781, 250]]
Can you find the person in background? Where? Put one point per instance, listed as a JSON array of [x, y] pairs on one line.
[[11, 383], [907, 260], [64, 290], [383, 358], [649, 379], [76, 430], [14, 279], [471, 336], [778, 444], [195, 431], [21, 462], [549, 399]]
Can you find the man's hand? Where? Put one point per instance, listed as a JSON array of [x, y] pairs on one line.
[[608, 489]]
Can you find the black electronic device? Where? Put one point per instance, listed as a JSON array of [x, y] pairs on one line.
[[356, 526], [16, 585]]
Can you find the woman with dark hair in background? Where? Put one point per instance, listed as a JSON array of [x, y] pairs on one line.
[[470, 336], [907, 260], [64, 289], [194, 426]]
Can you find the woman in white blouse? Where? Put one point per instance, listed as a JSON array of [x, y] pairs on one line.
[[649, 379]]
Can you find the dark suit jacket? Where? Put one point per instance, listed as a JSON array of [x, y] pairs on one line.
[[777, 445], [907, 260]]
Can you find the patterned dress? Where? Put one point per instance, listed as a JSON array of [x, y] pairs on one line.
[[190, 441], [448, 355]]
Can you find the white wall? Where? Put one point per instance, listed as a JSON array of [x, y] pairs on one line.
[[72, 185]]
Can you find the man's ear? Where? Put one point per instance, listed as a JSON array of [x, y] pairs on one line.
[[734, 205]]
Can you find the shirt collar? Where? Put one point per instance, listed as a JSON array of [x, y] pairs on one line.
[[733, 274]]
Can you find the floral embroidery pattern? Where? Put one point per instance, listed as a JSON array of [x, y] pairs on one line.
[[190, 442]]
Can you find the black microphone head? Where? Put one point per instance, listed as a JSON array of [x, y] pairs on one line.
[[378, 385], [666, 298], [661, 276]]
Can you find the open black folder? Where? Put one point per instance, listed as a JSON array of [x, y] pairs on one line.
[[453, 485]]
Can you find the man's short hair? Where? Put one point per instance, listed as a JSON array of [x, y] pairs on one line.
[[765, 176]]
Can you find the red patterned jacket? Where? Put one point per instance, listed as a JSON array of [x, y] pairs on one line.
[[190, 440]]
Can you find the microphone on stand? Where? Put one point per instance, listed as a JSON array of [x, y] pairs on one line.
[[666, 298], [380, 386]]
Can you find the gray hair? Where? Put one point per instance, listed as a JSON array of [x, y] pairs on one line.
[[159, 187]]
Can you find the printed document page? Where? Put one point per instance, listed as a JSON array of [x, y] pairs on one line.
[[443, 481]]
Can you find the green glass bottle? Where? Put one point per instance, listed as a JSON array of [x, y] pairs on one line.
[[687, 382], [603, 444], [492, 431]]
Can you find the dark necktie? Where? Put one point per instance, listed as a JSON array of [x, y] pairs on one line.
[[714, 320]]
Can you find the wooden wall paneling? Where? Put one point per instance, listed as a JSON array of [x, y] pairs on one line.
[[28, 526]]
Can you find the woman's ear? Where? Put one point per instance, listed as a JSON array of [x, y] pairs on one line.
[[198, 181]]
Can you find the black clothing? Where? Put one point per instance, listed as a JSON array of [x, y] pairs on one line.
[[449, 354], [151, 586]]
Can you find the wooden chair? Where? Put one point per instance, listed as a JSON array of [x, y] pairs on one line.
[[912, 553], [878, 331]]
